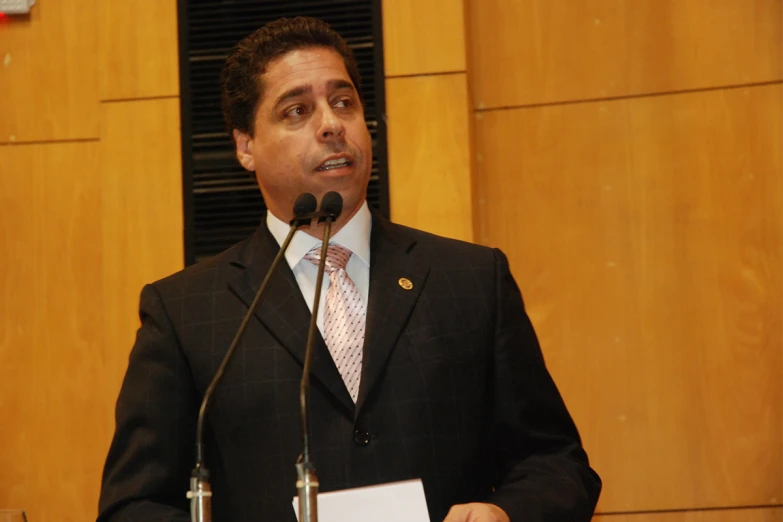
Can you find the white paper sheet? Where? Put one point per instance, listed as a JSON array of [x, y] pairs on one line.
[[393, 502]]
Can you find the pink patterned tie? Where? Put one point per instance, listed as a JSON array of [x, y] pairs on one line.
[[344, 316]]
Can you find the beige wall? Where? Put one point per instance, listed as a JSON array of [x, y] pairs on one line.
[[428, 116], [90, 209], [629, 163], [626, 155]]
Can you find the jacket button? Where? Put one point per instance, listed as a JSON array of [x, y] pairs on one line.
[[361, 438]]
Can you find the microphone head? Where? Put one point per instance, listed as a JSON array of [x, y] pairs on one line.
[[332, 204], [305, 204]]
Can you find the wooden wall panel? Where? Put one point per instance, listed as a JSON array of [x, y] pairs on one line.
[[429, 154], [83, 224], [423, 36], [537, 51], [48, 73], [51, 336], [142, 213], [771, 514], [138, 59], [646, 237]]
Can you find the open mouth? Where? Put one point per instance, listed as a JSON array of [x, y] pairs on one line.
[[334, 164]]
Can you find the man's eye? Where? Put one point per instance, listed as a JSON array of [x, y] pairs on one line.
[[345, 102], [295, 111]]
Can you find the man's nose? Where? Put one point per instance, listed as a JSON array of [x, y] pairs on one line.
[[332, 125]]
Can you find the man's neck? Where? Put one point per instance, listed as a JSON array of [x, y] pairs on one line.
[[317, 230]]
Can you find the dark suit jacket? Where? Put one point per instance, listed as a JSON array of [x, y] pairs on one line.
[[454, 391]]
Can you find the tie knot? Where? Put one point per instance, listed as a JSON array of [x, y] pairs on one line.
[[336, 257]]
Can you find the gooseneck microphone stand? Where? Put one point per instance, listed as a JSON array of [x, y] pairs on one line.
[[200, 493], [307, 481]]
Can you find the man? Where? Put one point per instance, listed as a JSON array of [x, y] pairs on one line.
[[438, 377]]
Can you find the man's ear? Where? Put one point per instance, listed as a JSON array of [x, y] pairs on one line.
[[244, 144]]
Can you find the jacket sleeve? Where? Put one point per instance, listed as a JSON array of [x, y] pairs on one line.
[[146, 475], [543, 473]]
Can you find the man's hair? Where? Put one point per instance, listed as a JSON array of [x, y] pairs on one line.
[[241, 83]]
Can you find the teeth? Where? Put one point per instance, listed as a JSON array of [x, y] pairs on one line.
[[333, 164]]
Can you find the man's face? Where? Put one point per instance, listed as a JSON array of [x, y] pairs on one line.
[[310, 133]]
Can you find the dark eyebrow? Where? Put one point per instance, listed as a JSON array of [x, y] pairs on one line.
[[340, 84], [307, 89], [293, 93]]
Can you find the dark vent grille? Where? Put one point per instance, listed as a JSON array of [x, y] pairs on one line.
[[222, 202]]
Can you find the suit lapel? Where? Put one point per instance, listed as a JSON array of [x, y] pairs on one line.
[[283, 310], [391, 302]]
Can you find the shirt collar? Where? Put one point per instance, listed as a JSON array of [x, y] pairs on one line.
[[355, 236]]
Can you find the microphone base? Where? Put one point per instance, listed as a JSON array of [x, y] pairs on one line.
[[307, 487], [200, 496]]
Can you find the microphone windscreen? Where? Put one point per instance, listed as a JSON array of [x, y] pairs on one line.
[[305, 204], [332, 204]]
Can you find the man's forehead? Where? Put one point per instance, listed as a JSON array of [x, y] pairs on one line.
[[309, 62]]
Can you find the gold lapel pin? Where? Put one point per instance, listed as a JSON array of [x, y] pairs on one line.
[[405, 283]]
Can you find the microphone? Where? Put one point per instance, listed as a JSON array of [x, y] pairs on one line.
[[200, 493], [304, 207], [307, 481]]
